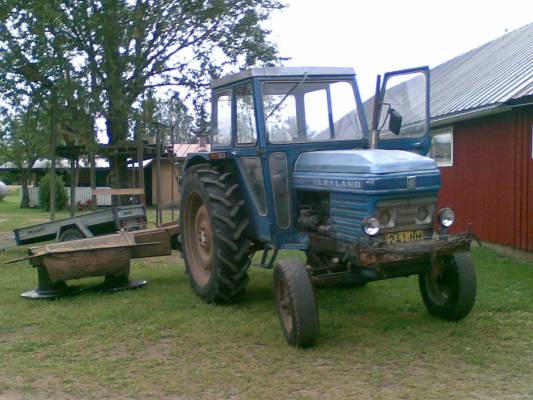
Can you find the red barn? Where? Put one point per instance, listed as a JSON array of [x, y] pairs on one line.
[[482, 127]]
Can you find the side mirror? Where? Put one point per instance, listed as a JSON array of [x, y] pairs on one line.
[[395, 121]]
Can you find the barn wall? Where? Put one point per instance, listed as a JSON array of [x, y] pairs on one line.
[[169, 189], [491, 181]]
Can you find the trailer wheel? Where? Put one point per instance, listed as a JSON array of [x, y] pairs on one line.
[[71, 234], [450, 291], [214, 243], [296, 303]]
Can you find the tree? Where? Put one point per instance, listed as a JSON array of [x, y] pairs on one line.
[[23, 142], [109, 52], [171, 115]]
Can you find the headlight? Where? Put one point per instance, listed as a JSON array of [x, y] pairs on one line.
[[422, 213], [384, 217], [371, 226], [446, 217]]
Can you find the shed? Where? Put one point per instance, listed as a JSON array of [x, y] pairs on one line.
[[169, 187], [482, 134]]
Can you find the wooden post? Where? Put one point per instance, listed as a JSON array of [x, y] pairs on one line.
[[72, 187], [77, 172], [140, 157], [53, 141], [132, 173], [93, 180], [172, 166], [159, 219], [117, 180]]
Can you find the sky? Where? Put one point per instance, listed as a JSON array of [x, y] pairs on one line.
[[379, 36]]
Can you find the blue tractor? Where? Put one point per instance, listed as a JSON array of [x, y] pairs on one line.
[[294, 164]]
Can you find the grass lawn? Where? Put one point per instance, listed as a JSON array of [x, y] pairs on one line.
[[163, 342]]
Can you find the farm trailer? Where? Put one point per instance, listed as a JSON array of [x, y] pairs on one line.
[[88, 225]]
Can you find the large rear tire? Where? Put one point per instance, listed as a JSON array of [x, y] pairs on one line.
[[449, 290], [214, 243], [296, 303]]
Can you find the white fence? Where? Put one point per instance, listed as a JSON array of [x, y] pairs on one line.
[[82, 195]]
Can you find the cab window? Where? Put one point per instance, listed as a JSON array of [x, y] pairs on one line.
[[246, 130], [222, 133], [310, 111]]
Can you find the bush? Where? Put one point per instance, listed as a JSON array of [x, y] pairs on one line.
[[44, 193]]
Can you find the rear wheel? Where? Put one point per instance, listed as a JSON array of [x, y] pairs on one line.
[[449, 288], [215, 247], [296, 304]]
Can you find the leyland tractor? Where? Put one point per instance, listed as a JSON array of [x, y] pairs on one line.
[[295, 165]]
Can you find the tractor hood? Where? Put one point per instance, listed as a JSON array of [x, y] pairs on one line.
[[362, 162], [366, 172]]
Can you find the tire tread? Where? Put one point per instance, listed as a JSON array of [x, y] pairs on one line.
[[229, 221]]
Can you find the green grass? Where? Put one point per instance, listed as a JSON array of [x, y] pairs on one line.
[[162, 341]]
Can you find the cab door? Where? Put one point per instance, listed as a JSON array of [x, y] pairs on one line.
[[407, 92], [248, 156]]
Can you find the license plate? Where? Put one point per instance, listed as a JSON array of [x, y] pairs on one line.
[[404, 237]]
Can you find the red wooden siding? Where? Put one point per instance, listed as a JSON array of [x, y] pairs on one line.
[[491, 181]]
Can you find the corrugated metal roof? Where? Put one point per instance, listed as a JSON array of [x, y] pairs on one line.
[[492, 74]]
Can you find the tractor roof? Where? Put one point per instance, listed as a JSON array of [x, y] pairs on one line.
[[281, 72]]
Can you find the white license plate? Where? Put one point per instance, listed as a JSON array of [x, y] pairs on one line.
[[404, 237]]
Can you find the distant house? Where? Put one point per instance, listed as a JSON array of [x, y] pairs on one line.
[[482, 134]]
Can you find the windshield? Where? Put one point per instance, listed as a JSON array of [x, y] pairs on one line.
[[405, 93], [299, 111]]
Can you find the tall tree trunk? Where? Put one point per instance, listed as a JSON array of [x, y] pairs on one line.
[[117, 132], [25, 201]]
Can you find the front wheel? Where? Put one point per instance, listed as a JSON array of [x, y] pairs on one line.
[[449, 288], [296, 304]]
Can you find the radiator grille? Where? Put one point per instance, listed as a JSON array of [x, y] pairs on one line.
[[347, 213], [404, 213]]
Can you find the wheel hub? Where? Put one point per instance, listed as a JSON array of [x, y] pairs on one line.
[[199, 240], [202, 238], [437, 284], [285, 306]]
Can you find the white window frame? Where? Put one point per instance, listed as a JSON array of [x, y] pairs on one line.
[[441, 131]]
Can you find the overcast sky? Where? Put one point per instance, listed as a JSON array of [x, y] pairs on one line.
[[378, 36]]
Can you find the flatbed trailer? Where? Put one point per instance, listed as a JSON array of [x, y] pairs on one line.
[[89, 225]]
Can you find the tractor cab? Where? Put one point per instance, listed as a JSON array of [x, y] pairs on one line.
[[298, 161]]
